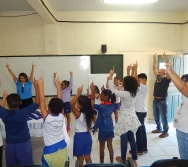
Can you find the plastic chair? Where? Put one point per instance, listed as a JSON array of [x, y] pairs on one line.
[[38, 165], [170, 163], [34, 165], [104, 165]]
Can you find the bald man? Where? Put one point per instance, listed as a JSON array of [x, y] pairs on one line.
[[160, 99]]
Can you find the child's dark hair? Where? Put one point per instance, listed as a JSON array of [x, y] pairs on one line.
[[23, 75], [55, 105], [66, 82], [86, 108], [142, 75], [97, 89], [185, 76], [13, 101], [111, 96], [117, 78], [131, 85]]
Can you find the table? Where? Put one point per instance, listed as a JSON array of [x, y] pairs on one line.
[[35, 128]]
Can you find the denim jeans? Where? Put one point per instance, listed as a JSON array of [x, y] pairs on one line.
[[182, 138], [141, 138], [160, 113], [129, 136]]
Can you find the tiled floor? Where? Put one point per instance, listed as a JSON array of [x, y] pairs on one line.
[[158, 148]]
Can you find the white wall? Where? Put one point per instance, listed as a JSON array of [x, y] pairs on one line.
[[30, 35]]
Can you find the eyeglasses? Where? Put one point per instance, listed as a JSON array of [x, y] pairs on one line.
[[22, 90]]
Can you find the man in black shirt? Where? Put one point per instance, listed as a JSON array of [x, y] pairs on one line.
[[160, 98]]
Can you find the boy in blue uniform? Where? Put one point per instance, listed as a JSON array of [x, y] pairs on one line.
[[18, 145]]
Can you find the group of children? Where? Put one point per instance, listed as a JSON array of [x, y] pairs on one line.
[[122, 99]]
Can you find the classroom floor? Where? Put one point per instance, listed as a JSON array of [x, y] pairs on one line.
[[158, 148]]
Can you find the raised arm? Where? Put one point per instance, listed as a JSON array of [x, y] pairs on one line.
[[71, 80], [42, 98], [32, 73], [155, 64], [176, 80], [165, 58], [129, 69], [58, 86], [11, 72], [36, 86], [75, 111], [3, 102], [55, 73], [92, 87]]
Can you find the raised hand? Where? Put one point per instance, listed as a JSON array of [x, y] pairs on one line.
[[112, 71], [102, 88], [7, 65], [71, 73], [168, 67], [79, 90], [92, 87], [165, 58], [55, 73]]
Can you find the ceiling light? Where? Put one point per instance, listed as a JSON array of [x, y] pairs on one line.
[[130, 2]]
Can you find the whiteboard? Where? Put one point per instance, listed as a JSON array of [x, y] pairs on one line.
[[46, 66], [99, 79]]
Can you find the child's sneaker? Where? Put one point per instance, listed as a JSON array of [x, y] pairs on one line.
[[68, 129]]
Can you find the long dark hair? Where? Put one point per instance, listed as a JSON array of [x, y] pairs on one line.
[[130, 84], [86, 108]]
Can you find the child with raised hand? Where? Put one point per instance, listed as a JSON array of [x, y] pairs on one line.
[[66, 88], [117, 85], [128, 122], [18, 144], [84, 116], [54, 129], [104, 121]]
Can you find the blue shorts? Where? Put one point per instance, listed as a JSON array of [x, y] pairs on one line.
[[19, 153], [117, 107], [82, 144], [104, 135], [67, 108]]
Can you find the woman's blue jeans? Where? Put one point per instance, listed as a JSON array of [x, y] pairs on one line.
[[129, 136], [182, 138]]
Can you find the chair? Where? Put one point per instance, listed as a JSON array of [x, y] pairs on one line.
[[34, 165], [104, 165], [38, 165], [170, 163]]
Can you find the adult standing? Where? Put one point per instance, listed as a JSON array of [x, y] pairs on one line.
[[160, 98], [23, 86], [180, 118]]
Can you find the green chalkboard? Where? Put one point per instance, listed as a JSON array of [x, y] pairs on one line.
[[103, 63]]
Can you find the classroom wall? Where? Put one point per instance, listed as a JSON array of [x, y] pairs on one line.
[[30, 35]]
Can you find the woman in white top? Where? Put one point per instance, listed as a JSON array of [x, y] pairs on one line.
[[181, 115], [84, 116], [128, 122]]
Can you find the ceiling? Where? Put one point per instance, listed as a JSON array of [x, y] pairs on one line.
[[97, 5]]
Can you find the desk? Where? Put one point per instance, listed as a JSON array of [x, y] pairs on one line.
[[35, 128]]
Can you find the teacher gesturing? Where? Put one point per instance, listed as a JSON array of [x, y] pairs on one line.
[[23, 85]]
